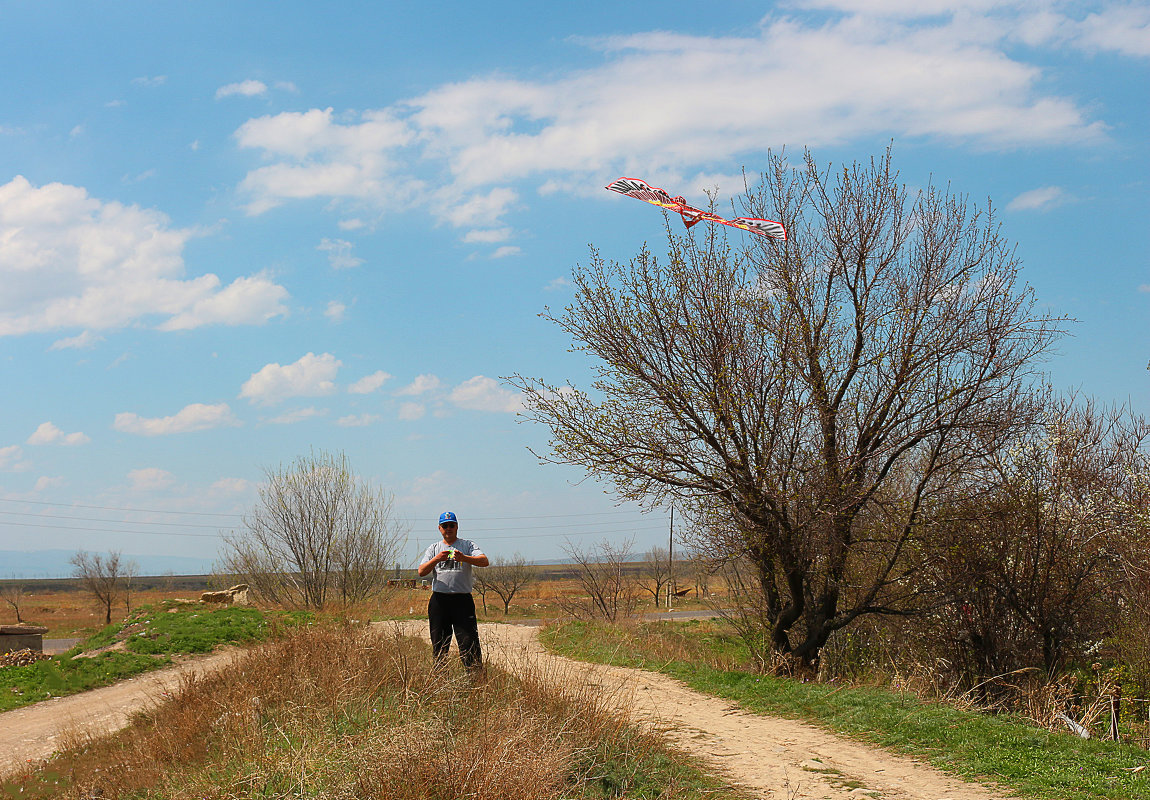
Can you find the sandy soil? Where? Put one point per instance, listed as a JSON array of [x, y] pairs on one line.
[[775, 758]]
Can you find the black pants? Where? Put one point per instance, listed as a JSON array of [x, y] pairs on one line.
[[454, 612]]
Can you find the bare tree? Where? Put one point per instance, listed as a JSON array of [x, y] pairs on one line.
[[656, 572], [369, 538], [814, 395], [102, 577], [131, 572], [608, 590], [12, 593], [481, 588], [505, 578], [317, 533]]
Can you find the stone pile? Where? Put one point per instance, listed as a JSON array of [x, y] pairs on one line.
[[21, 658]]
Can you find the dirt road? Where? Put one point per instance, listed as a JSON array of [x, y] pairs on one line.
[[778, 759], [35, 732]]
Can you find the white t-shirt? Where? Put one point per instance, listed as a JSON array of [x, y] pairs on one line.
[[452, 576]]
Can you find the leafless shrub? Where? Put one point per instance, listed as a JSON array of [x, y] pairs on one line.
[[102, 577], [655, 571], [131, 572], [318, 533], [608, 590], [1036, 564], [505, 577], [12, 594]]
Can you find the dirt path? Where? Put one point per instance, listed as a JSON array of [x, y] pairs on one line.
[[35, 732], [777, 758]]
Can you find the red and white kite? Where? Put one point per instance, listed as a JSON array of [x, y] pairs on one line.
[[641, 190]]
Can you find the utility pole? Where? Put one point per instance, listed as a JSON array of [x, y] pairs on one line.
[[671, 560]]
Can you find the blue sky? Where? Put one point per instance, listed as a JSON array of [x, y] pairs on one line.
[[233, 232]]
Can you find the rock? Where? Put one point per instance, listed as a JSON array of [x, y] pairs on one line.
[[237, 595]]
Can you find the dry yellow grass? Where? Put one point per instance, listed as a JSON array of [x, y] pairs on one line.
[[344, 712]]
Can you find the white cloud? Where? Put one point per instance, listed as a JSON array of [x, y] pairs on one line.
[[485, 394], [1042, 199], [232, 485], [427, 489], [557, 284], [488, 236], [299, 415], [483, 208], [671, 106], [139, 177], [68, 260], [339, 253], [369, 383], [353, 224], [246, 301], [150, 81], [321, 158], [45, 482], [357, 420], [311, 376], [194, 417], [422, 384], [10, 458], [409, 412], [1123, 29], [248, 88], [84, 341], [48, 433], [335, 311], [150, 479], [506, 250]]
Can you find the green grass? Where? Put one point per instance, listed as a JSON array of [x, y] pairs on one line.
[[1002, 750], [199, 631], [56, 677], [151, 636]]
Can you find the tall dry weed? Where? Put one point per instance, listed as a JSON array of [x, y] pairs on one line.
[[355, 712]]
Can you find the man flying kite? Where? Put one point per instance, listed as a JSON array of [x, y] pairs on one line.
[[641, 190]]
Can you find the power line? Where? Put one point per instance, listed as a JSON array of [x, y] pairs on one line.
[[97, 519], [408, 520], [114, 508], [239, 516], [524, 535], [109, 530], [197, 525]]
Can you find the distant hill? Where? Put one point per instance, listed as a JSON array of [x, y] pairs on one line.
[[33, 564]]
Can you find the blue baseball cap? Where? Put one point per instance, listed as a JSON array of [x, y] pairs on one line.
[[448, 516]]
